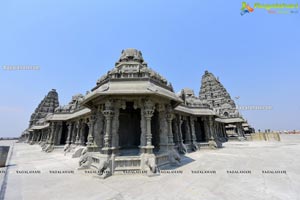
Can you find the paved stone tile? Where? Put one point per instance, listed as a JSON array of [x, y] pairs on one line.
[[235, 156]]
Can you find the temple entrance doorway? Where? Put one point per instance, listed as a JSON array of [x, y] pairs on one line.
[[129, 130]]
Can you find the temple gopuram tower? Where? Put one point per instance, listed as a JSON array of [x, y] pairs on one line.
[[38, 122], [214, 94], [46, 106]]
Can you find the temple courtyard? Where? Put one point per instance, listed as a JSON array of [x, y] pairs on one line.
[[240, 170]]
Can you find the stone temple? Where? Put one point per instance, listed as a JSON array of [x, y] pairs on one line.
[[133, 120]]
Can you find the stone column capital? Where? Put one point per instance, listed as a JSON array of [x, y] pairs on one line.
[[59, 123], [52, 125], [170, 117], [69, 125], [108, 105], [180, 120], [160, 108], [148, 104], [108, 113], [77, 124], [193, 118], [148, 113]]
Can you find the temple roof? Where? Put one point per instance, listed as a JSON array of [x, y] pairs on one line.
[[131, 66], [195, 111], [68, 116], [190, 100], [132, 76], [131, 55], [230, 120], [73, 105]]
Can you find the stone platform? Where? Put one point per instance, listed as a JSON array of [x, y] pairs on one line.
[[248, 170]]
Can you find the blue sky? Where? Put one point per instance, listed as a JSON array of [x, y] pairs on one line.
[[256, 56]]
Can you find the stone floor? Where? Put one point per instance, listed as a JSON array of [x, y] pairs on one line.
[[235, 173]]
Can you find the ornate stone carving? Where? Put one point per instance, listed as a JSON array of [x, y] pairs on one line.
[[181, 147], [84, 160], [91, 124], [214, 93], [68, 141], [163, 128], [115, 128], [108, 113], [150, 163], [194, 143], [131, 65], [99, 129], [174, 157], [73, 105], [78, 127], [148, 113], [104, 168], [143, 128], [46, 107], [190, 100]]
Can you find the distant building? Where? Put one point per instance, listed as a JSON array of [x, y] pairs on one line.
[[132, 119]]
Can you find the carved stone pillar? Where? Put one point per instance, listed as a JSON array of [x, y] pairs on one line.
[[37, 132], [143, 128], [99, 129], [51, 137], [108, 114], [148, 113], [211, 129], [29, 137], [194, 139], [78, 127], [91, 123], [69, 125], [33, 137], [73, 133], [175, 130], [42, 135], [188, 139], [115, 128], [82, 132], [170, 131], [180, 121], [50, 129], [163, 129], [46, 134], [212, 140], [241, 135], [58, 134], [181, 147], [224, 131]]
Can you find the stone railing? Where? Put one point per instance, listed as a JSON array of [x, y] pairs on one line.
[[162, 159], [127, 163]]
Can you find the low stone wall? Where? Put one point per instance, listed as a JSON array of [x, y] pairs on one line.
[[3, 155], [265, 137]]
